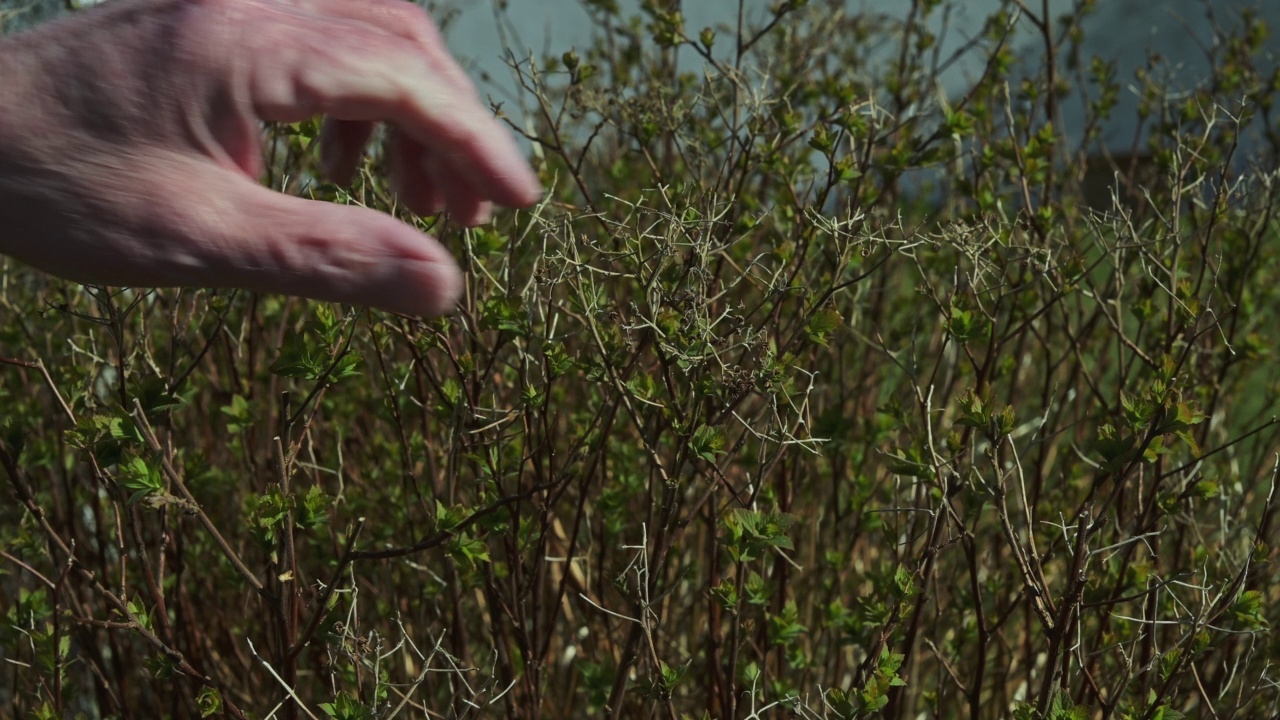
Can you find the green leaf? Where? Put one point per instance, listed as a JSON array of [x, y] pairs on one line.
[[973, 411], [154, 396], [345, 707], [910, 463], [558, 359], [751, 533], [209, 701], [1248, 610], [707, 442], [300, 359], [903, 581], [1189, 440], [313, 511], [268, 511], [1062, 708], [141, 477], [1164, 712], [785, 627], [757, 590], [1116, 451], [726, 594], [821, 324], [240, 412], [345, 367], [448, 518], [468, 551], [161, 667], [671, 676], [503, 313]]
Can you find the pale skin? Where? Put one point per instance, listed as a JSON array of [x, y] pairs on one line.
[[130, 148]]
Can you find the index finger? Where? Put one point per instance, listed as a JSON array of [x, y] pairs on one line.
[[353, 71], [402, 18]]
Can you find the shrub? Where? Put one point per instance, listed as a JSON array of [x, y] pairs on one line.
[[807, 392]]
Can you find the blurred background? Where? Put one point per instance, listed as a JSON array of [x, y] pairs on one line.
[[1173, 39]]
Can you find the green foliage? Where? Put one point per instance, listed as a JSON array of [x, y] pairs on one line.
[[807, 392], [345, 707], [141, 477], [872, 698], [750, 534], [318, 352]]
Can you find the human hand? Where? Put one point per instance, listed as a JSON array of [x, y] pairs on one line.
[[130, 147]]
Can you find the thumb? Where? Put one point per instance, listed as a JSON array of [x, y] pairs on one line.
[[236, 233]]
